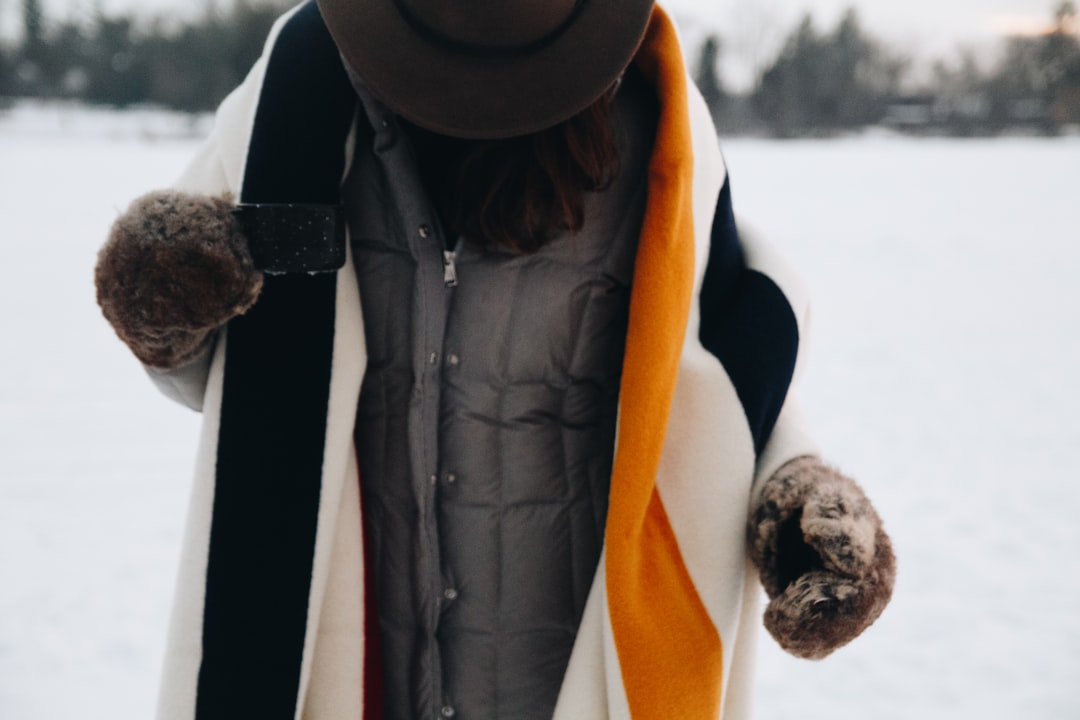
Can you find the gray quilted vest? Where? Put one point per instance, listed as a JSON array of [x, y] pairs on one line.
[[486, 428]]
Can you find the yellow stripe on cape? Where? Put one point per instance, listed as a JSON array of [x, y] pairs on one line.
[[670, 653]]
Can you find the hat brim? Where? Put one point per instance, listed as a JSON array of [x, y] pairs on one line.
[[467, 96]]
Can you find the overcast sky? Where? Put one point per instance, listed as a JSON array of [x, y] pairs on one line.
[[754, 27], [903, 18]]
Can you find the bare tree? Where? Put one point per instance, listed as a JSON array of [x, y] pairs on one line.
[[831, 81]]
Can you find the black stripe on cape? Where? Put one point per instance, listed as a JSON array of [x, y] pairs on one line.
[[274, 407], [747, 323]]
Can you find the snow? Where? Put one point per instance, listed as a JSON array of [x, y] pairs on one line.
[[946, 333], [946, 329], [93, 467]]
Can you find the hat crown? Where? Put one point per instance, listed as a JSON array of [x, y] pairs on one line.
[[486, 68], [488, 23]]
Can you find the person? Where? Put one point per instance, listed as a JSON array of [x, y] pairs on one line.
[[496, 394]]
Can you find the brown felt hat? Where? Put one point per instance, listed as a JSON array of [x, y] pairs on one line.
[[487, 68]]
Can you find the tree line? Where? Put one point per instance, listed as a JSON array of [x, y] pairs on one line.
[[121, 60], [820, 82], [843, 79]]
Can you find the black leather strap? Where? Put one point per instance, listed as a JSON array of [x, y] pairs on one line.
[[289, 238]]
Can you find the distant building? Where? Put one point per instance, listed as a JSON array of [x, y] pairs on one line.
[[914, 113]]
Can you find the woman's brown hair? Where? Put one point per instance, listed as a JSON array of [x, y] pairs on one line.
[[518, 193]]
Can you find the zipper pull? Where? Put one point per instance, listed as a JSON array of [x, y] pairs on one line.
[[449, 269]]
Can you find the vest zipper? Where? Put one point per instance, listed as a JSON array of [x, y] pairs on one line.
[[449, 268], [449, 256]]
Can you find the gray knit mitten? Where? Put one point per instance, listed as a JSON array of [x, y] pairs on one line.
[[825, 561], [174, 269]]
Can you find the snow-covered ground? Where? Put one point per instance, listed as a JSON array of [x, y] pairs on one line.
[[943, 375], [947, 334]]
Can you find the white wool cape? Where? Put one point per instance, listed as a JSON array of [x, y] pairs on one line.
[[707, 507]]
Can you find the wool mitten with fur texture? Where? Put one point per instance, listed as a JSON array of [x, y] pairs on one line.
[[825, 561], [174, 269]]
